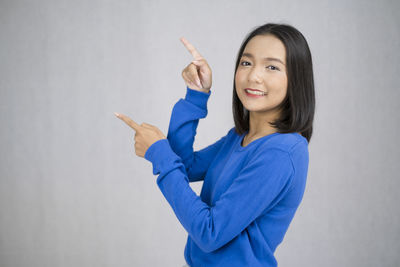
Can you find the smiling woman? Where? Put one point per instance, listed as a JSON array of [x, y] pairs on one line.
[[276, 60], [255, 175], [261, 83]]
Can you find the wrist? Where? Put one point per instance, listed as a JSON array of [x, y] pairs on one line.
[[205, 90]]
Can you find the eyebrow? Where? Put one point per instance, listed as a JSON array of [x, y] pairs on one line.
[[266, 58]]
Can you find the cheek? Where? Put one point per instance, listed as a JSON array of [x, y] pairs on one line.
[[237, 78], [277, 83], [282, 89], [240, 73], [238, 83]]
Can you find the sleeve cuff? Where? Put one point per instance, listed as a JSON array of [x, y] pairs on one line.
[[198, 98], [159, 154]]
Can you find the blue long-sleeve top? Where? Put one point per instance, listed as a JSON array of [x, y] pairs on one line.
[[249, 195]]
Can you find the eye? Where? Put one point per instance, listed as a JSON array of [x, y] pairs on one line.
[[273, 67], [241, 63]]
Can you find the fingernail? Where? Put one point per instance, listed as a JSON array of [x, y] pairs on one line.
[[116, 114]]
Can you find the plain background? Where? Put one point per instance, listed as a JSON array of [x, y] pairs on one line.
[[72, 190]]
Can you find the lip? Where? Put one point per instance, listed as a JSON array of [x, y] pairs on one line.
[[255, 96], [253, 89]]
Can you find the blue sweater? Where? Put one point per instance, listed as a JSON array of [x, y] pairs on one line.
[[249, 195]]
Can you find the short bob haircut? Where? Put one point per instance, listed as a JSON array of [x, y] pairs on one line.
[[297, 109]]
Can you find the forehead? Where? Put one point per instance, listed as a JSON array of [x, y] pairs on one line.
[[266, 46]]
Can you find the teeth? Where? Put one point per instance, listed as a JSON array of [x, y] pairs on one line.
[[255, 92]]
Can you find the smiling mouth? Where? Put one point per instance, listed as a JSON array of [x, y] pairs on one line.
[[254, 92]]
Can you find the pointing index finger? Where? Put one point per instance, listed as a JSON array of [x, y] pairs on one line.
[[191, 48], [129, 121]]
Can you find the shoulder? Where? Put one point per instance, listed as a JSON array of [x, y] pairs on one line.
[[231, 134], [291, 143], [232, 130]]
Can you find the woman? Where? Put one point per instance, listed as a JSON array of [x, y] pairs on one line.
[[255, 175]]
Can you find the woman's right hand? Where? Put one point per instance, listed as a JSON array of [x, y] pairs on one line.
[[197, 74]]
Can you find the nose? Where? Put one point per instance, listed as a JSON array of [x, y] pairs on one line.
[[255, 75]]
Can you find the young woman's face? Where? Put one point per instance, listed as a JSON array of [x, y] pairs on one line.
[[262, 67]]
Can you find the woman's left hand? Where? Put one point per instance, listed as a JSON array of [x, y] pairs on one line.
[[145, 135]]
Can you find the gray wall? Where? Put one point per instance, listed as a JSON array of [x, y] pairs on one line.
[[72, 190]]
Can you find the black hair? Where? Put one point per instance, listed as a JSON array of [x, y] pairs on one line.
[[298, 107]]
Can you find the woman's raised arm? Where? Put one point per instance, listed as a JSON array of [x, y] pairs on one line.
[[186, 114]]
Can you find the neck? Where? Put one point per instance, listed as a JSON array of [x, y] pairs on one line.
[[259, 123]]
